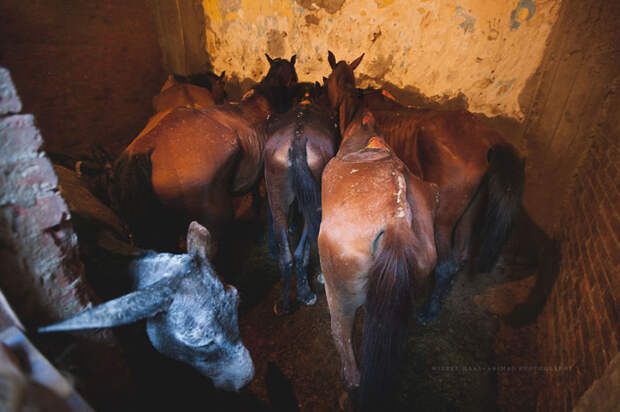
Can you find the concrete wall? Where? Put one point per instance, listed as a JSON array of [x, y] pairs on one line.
[[485, 50], [41, 273]]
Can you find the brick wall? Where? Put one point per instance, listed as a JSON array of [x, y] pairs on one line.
[[42, 275], [579, 326]]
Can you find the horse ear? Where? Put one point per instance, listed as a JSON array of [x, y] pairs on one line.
[[293, 59], [200, 244], [269, 59], [223, 75], [368, 120], [324, 81], [331, 59], [356, 62]]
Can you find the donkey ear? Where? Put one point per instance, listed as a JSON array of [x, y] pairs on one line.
[[293, 59], [269, 59], [143, 303], [200, 244], [331, 59], [356, 62]]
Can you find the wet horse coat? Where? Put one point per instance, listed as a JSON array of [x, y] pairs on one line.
[[480, 176], [193, 161], [375, 243], [301, 143]]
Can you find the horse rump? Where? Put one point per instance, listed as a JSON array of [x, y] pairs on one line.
[[388, 306], [307, 190], [505, 181], [132, 197]]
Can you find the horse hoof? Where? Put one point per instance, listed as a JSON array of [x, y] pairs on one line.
[[344, 402], [309, 301], [279, 310]]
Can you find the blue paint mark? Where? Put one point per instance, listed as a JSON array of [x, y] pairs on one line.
[[469, 21], [514, 15]]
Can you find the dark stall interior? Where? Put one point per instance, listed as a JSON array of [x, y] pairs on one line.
[[539, 332]]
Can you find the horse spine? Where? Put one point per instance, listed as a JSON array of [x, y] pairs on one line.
[[306, 189], [505, 180], [388, 306]]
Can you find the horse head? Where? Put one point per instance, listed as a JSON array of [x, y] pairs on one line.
[[191, 315], [217, 86], [341, 88], [308, 92], [279, 84]]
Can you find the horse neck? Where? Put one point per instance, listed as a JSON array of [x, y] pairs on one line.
[[349, 106], [256, 109]]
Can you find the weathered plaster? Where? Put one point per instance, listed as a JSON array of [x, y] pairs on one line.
[[485, 50]]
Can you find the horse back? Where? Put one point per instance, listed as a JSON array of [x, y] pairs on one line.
[[182, 94], [363, 193], [193, 156], [310, 123]]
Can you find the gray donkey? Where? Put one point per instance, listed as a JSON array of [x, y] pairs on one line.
[[191, 316]]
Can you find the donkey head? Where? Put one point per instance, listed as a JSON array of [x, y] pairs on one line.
[[191, 316]]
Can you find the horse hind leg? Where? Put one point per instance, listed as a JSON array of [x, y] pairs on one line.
[[444, 278], [282, 307], [455, 258], [342, 309], [302, 258]]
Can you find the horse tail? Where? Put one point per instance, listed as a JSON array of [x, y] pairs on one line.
[[131, 192], [388, 306], [307, 190], [505, 181]]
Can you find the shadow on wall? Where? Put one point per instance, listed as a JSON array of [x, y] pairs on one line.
[[533, 246]]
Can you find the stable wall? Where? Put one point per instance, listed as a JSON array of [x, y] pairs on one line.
[[484, 50], [86, 69]]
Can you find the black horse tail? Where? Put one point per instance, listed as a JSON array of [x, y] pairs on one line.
[[388, 307], [505, 181], [131, 193], [307, 190]]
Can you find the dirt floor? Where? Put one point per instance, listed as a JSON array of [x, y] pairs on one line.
[[454, 364]]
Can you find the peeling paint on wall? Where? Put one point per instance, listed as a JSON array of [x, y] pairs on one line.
[[524, 11], [468, 21], [445, 49]]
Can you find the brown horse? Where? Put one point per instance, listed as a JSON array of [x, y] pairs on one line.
[[193, 161], [300, 144], [480, 176], [195, 91], [376, 243]]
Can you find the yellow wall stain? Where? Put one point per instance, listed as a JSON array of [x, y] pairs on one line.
[[422, 45], [384, 3], [211, 8], [523, 14]]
